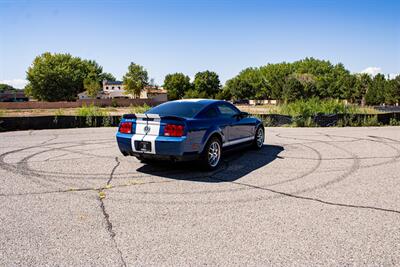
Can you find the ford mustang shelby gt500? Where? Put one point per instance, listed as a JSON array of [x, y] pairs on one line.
[[187, 130]]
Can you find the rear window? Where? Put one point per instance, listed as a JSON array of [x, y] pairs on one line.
[[179, 109]]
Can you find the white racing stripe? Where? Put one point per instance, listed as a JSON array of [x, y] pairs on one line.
[[146, 130]]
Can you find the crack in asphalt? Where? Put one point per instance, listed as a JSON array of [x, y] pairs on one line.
[[109, 228], [113, 170], [99, 189], [310, 198]]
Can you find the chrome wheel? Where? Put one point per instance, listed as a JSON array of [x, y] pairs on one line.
[[260, 137], [214, 153]]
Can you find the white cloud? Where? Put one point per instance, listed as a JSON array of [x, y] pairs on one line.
[[372, 71], [16, 83], [393, 75]]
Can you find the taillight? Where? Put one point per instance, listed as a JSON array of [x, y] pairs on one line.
[[173, 130], [125, 127]]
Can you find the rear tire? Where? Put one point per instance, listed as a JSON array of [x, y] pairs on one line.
[[259, 138], [212, 153]]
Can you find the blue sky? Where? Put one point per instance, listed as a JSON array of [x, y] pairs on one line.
[[191, 36]]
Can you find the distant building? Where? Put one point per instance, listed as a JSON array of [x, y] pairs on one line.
[[116, 89], [84, 95], [154, 92], [111, 86]]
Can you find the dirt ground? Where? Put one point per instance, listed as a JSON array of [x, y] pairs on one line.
[[110, 110]]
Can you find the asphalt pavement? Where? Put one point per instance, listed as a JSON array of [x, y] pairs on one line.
[[311, 196]]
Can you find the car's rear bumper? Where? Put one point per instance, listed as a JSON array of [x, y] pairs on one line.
[[165, 148]]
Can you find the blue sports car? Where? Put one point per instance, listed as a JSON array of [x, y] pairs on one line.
[[188, 130]]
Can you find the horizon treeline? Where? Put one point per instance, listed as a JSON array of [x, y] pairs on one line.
[[55, 77], [302, 79]]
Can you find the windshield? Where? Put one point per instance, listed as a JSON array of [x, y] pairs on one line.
[[179, 109]]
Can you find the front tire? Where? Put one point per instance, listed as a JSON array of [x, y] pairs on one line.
[[212, 154], [259, 138]]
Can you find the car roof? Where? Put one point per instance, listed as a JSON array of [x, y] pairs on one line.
[[202, 101]]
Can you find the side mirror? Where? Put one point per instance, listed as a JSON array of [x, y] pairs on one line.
[[241, 115]]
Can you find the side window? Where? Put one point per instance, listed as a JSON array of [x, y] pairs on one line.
[[226, 111], [211, 113]]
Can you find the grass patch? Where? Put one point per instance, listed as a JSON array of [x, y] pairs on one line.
[[91, 111], [59, 112], [312, 113], [304, 111], [357, 121], [139, 109], [315, 106]]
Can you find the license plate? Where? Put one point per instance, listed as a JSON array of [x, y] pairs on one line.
[[143, 146]]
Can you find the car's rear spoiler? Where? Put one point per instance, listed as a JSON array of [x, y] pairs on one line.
[[152, 117]]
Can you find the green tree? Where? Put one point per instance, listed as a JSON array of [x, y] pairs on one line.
[[224, 94], [361, 85], [396, 88], [135, 79], [293, 89], [55, 77], [177, 84], [106, 76], [392, 90], [91, 84], [195, 94], [375, 94], [6, 87], [274, 76], [206, 84], [318, 79], [249, 84]]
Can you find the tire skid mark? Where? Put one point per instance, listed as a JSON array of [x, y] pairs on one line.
[[39, 177], [391, 160], [229, 162], [351, 170], [348, 172], [313, 170]]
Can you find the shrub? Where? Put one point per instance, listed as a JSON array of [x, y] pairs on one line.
[[315, 106], [114, 103], [393, 122], [106, 121], [90, 111], [139, 109], [59, 112], [370, 121]]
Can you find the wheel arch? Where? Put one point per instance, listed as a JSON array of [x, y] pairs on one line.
[[215, 133]]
